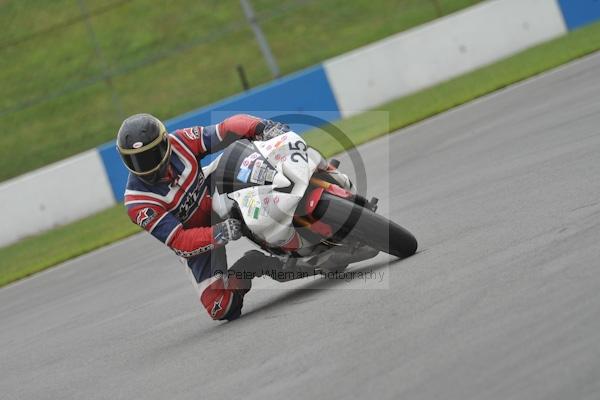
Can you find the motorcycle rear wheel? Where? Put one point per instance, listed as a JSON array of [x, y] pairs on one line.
[[365, 226]]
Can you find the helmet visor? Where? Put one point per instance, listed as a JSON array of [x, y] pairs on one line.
[[149, 160]]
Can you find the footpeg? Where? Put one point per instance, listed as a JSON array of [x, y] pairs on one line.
[[373, 204]]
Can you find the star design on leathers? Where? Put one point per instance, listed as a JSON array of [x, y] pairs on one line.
[[217, 306]]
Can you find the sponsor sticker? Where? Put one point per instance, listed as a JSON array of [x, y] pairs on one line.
[[280, 141], [264, 211], [253, 207], [248, 160], [270, 175], [145, 216], [258, 172], [261, 173], [243, 175], [192, 133], [246, 200], [137, 145]]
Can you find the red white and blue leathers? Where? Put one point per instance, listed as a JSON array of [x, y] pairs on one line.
[[178, 211]]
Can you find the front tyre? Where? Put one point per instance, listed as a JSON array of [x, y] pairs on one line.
[[365, 226]]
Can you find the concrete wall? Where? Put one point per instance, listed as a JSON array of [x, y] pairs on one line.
[[54, 195], [354, 82], [307, 92], [440, 50]]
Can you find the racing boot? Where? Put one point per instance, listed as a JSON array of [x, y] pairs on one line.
[[223, 298]]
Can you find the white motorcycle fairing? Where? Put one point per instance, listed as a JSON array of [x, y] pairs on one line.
[[267, 211]]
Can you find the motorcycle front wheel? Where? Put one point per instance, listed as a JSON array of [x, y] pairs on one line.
[[365, 226]]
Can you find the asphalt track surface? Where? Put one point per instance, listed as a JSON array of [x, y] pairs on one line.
[[501, 302]]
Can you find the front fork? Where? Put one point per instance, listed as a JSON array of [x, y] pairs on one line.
[[305, 219], [323, 230], [319, 186]]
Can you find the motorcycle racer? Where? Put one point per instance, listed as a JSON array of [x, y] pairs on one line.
[[168, 195]]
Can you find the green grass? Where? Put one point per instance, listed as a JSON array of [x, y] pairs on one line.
[[20, 260], [164, 57], [442, 97], [39, 252]]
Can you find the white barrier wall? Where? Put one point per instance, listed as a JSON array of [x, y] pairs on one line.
[[53, 195], [440, 50], [354, 82]]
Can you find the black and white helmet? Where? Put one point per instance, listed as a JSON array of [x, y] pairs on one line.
[[143, 144]]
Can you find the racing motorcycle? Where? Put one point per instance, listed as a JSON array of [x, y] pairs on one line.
[[276, 189]]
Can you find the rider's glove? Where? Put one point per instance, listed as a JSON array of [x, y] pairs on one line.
[[268, 129], [230, 229]]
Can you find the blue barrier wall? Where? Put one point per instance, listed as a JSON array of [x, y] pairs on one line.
[[578, 13], [307, 92]]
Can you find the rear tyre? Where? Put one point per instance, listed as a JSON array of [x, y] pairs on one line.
[[350, 220]]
